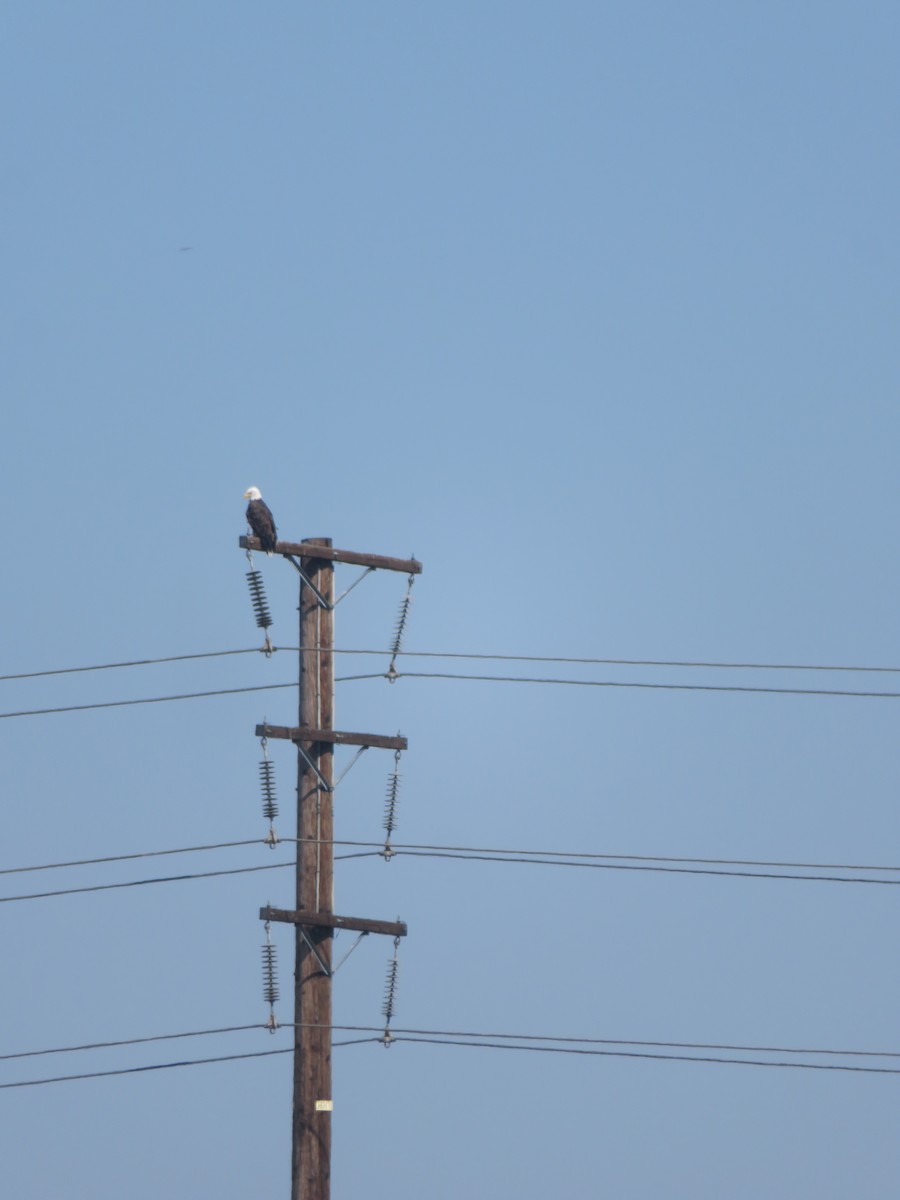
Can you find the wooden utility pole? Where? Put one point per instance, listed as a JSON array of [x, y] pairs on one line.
[[314, 917], [311, 1140]]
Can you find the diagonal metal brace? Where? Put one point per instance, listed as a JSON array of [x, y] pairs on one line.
[[338, 965], [348, 590], [323, 603], [352, 763], [323, 782], [326, 970]]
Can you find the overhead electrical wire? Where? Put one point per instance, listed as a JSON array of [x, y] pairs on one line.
[[506, 851], [65, 708], [111, 858], [545, 658], [551, 858], [735, 1062], [191, 1062], [668, 687], [637, 662], [587, 1047], [108, 887], [503, 850], [158, 1037], [595, 1041], [556, 858], [575, 854], [596, 683], [667, 870], [732, 1047], [134, 662]]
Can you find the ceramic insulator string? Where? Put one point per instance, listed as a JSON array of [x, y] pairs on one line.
[[400, 628], [390, 807], [390, 991], [390, 804], [267, 785], [270, 974], [258, 599]]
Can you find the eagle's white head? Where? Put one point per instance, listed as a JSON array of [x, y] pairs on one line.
[[253, 493]]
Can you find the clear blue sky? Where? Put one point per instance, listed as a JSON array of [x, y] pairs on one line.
[[591, 306]]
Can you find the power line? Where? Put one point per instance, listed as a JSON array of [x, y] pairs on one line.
[[734, 1062], [595, 1041], [110, 858], [596, 683], [191, 1062], [397, 846], [543, 658], [669, 687], [639, 662], [559, 858], [105, 887], [653, 858], [741, 1048], [158, 1037], [41, 712], [585, 1047], [609, 866], [468, 1033], [135, 662]]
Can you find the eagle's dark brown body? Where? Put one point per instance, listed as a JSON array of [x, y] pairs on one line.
[[261, 521]]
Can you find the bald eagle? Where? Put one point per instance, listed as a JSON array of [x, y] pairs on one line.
[[260, 519]]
